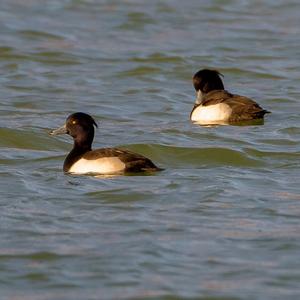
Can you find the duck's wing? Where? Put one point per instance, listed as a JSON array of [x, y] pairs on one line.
[[133, 162], [216, 97], [243, 108]]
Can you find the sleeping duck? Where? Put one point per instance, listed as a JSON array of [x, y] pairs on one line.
[[214, 105]]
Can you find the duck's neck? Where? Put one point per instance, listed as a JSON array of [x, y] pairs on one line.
[[75, 154], [80, 147], [199, 97]]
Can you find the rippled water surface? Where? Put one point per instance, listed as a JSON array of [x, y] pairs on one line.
[[220, 222]]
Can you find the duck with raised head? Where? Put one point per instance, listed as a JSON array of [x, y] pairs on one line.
[[215, 105], [83, 160]]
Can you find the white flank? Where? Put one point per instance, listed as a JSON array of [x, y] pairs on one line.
[[211, 114], [104, 165]]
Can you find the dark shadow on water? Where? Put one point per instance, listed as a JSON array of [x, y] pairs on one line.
[[115, 175], [257, 122]]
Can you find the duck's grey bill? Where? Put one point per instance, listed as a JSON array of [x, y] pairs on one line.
[[60, 130]]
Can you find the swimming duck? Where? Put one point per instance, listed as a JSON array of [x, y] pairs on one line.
[[215, 105], [83, 160]]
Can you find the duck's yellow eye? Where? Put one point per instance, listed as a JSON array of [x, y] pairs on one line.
[[73, 122]]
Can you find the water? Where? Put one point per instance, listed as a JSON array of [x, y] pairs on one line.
[[221, 222]]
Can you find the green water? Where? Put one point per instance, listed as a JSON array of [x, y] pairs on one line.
[[220, 222]]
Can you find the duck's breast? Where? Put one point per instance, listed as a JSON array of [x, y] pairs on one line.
[[103, 165], [211, 113]]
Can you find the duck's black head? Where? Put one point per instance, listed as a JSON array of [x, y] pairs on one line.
[[81, 127], [208, 80]]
